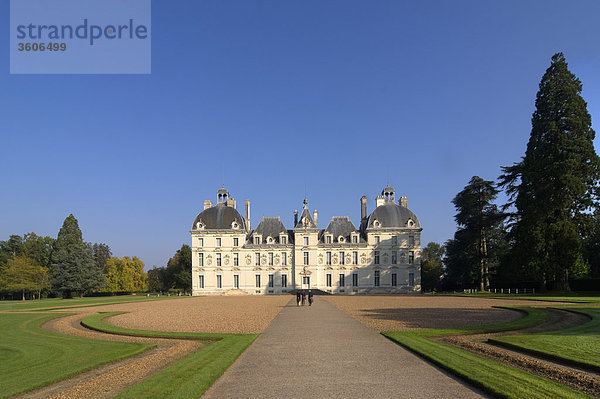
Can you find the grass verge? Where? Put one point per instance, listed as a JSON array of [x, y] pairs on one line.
[[495, 378], [58, 303], [579, 345], [189, 377], [33, 357]]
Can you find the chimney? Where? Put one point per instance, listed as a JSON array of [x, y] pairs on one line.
[[403, 201], [363, 207], [207, 204], [295, 218], [248, 214], [315, 214], [379, 200], [231, 202]]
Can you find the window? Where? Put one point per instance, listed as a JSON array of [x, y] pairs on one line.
[[342, 261], [305, 240], [328, 279], [328, 239], [258, 280], [411, 257], [355, 239], [258, 259], [201, 281], [376, 279], [270, 258], [355, 280], [394, 280], [284, 240], [394, 240], [376, 257], [256, 240], [218, 259], [342, 280], [394, 257], [411, 240], [271, 283], [218, 242], [306, 258], [411, 279], [236, 259], [284, 280], [328, 260], [377, 240], [200, 242], [219, 281], [200, 259], [306, 280], [284, 258], [236, 241], [355, 258], [236, 281]]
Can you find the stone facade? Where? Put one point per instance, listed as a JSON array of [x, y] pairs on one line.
[[381, 256]]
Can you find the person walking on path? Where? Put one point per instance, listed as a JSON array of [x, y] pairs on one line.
[[310, 298], [303, 297], [298, 298]]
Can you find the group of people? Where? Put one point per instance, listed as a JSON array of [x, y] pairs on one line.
[[302, 295]]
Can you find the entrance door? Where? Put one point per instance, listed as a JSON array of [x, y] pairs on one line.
[[306, 282], [236, 281]]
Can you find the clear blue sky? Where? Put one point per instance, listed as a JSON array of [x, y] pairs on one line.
[[328, 98]]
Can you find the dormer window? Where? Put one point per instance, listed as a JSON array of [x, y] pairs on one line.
[[410, 223], [282, 239], [376, 223], [270, 240], [235, 225], [256, 240], [354, 239], [328, 239], [200, 225], [341, 239]]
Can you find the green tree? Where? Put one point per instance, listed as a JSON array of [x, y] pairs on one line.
[[38, 248], [431, 266], [125, 275], [157, 279], [101, 253], [72, 265], [473, 250], [554, 187], [11, 248], [179, 269], [23, 275]]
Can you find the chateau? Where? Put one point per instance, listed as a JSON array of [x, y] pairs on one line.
[[381, 256]]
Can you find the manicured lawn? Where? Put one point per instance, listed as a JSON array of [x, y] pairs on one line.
[[579, 345], [31, 357], [190, 377], [56, 303], [495, 378], [549, 297]]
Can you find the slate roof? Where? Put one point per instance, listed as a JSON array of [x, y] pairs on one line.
[[340, 226], [270, 226], [219, 216], [311, 222], [391, 215]]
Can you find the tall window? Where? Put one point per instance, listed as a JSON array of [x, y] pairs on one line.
[[271, 283], [376, 280], [258, 259], [355, 280], [306, 258], [218, 242], [284, 280], [355, 239], [394, 280], [236, 259], [394, 257], [342, 280], [328, 279], [394, 240], [376, 257], [200, 259], [284, 258], [342, 260], [218, 259], [411, 257], [328, 239], [411, 240], [201, 281], [305, 240], [270, 258], [328, 260], [236, 241], [355, 258], [200, 242], [283, 239], [219, 281], [258, 280], [377, 240], [236, 281], [256, 240], [411, 279], [306, 280]]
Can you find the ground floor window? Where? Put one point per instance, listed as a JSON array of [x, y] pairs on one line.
[[376, 279], [328, 278], [271, 280], [284, 280], [236, 281], [411, 279], [258, 280], [219, 281], [201, 281], [342, 280], [355, 280], [394, 280]]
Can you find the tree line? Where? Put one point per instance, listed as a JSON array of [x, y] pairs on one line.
[[548, 232]]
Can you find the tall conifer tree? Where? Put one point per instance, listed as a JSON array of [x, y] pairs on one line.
[[554, 187]]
